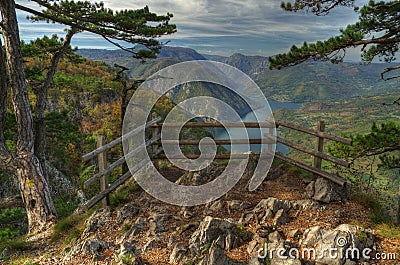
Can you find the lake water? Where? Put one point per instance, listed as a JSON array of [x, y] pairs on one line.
[[254, 133]]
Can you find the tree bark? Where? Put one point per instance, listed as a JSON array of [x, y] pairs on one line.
[[33, 186], [5, 156], [398, 208], [41, 102], [3, 93]]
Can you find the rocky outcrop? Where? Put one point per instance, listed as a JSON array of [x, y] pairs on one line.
[[217, 256], [278, 210], [323, 190], [221, 233], [212, 241], [91, 247]]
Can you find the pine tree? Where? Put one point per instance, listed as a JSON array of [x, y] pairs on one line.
[[131, 26], [377, 32]]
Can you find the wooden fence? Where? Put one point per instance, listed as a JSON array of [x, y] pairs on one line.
[[155, 147]]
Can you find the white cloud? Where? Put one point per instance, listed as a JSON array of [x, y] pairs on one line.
[[229, 25]]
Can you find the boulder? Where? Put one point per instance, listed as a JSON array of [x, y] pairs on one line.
[[273, 209], [326, 191], [95, 245], [345, 243], [226, 234], [311, 236], [217, 256]]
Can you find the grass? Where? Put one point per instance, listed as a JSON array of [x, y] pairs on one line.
[[388, 230], [121, 195], [126, 227], [15, 244], [70, 227], [379, 213]]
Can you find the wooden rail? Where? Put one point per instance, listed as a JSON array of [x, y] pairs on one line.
[[155, 145], [104, 170]]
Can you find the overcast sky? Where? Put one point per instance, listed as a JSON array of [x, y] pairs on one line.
[[251, 27]]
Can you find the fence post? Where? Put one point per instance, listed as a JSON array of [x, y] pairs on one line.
[[319, 145], [154, 132], [102, 160]]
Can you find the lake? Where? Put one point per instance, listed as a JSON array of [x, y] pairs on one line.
[[254, 133]]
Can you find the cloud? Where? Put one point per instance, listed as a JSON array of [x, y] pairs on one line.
[[246, 26]]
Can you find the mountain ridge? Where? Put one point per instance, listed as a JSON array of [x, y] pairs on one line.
[[309, 82]]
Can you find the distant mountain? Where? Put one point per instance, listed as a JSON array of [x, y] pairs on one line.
[[178, 53], [251, 65], [311, 81], [321, 81], [213, 57]]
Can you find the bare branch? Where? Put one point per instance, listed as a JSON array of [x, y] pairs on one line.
[[10, 202], [388, 70]]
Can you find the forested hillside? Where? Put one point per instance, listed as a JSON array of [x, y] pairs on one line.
[[311, 81]]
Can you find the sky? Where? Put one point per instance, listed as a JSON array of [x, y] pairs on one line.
[[222, 27]]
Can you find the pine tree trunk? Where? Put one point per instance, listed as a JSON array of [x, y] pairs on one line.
[[26, 167], [3, 93], [35, 193], [398, 208], [41, 102]]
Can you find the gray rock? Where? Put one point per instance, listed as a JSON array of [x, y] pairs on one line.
[[272, 204], [95, 245], [274, 237], [295, 233], [246, 218], [347, 239], [217, 256], [5, 253], [281, 217], [194, 178], [128, 211], [127, 252], [276, 172], [273, 208], [237, 206], [158, 220], [138, 227], [127, 248], [178, 253], [288, 261], [59, 184], [151, 244], [96, 220], [310, 189], [254, 260], [96, 257], [252, 247], [216, 206], [326, 191], [311, 236], [225, 233], [305, 204]]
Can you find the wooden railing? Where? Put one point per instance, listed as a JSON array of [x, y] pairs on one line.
[[157, 152], [100, 153]]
